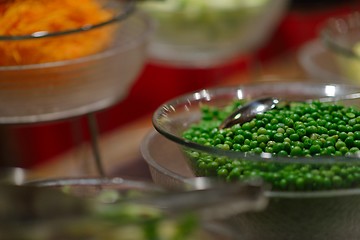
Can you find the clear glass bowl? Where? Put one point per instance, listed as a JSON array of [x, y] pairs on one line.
[[341, 36], [330, 213], [204, 33], [177, 115], [317, 61], [91, 208], [66, 88]]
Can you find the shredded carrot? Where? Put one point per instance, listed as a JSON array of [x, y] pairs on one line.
[[23, 17]]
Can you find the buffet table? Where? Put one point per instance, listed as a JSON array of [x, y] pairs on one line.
[[125, 125]]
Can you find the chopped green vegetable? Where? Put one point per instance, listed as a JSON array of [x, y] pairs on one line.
[[200, 21]]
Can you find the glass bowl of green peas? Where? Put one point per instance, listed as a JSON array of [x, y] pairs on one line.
[[307, 151]]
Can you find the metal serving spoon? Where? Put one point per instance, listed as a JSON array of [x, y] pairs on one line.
[[248, 111]]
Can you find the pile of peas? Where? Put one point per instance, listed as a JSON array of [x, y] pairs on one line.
[[297, 130]]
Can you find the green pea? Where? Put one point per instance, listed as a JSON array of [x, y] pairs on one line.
[[283, 184], [300, 183], [263, 138], [290, 131], [311, 129], [342, 128], [249, 134], [344, 150], [318, 142], [332, 132], [339, 144], [349, 128], [294, 137], [246, 126], [261, 131], [354, 150], [223, 146], [350, 141], [330, 150], [321, 122], [221, 160], [245, 148], [357, 143], [269, 149], [259, 123], [257, 150], [223, 172], [296, 151], [236, 147], [335, 169], [352, 122], [301, 132], [356, 135], [280, 130], [356, 127], [278, 137], [202, 165], [287, 146], [282, 153], [315, 149], [239, 139], [337, 181]]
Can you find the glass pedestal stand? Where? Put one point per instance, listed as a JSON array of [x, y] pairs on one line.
[[94, 135], [11, 125], [15, 135]]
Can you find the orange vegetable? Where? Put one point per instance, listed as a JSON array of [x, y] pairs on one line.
[[24, 17]]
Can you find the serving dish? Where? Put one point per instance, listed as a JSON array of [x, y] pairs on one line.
[[341, 36], [303, 212], [90, 208], [34, 92], [118, 208], [206, 33], [318, 63]]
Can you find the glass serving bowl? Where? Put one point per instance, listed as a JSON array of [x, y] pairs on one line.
[[204, 33], [341, 37], [90, 208], [309, 211], [33, 92]]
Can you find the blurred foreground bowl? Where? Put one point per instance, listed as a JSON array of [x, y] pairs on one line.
[[91, 208]]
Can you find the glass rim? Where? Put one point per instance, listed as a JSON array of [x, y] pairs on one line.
[[112, 50], [95, 182], [128, 9], [183, 11]]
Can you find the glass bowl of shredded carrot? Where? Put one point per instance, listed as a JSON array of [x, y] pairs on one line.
[[64, 58]]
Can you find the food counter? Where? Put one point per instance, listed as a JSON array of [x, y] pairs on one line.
[[271, 151], [131, 118]]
